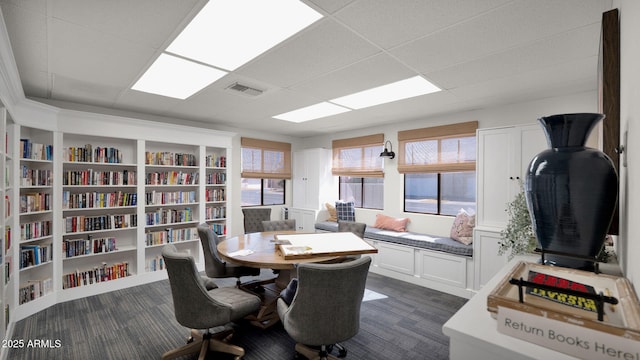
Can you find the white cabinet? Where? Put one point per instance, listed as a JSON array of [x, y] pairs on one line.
[[485, 248], [503, 157], [313, 183], [305, 219]]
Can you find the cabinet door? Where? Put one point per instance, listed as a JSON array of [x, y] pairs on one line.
[[487, 261], [532, 141], [494, 177], [305, 219], [300, 179]]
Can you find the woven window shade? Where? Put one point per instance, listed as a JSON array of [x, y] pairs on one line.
[[444, 148], [358, 157], [264, 159]]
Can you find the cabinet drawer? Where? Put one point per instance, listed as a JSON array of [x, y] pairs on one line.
[[396, 258]]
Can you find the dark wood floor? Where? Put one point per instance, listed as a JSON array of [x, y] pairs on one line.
[[138, 323]]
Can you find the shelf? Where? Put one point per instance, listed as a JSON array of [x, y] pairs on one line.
[[120, 250], [191, 167], [193, 222], [35, 212], [169, 185], [97, 186], [100, 208], [169, 205], [172, 243], [84, 164], [36, 187], [35, 239], [37, 161], [99, 231], [36, 266]]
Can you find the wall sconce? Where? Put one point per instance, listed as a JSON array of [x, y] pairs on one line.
[[388, 153]]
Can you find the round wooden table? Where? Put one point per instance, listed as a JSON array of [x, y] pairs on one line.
[[265, 253]]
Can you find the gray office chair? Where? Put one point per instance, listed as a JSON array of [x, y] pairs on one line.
[[326, 306], [199, 309], [214, 266], [278, 225], [253, 218]]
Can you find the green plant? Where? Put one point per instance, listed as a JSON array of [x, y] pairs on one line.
[[518, 237]]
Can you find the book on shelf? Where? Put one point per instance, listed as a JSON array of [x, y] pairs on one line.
[[36, 151], [95, 275]]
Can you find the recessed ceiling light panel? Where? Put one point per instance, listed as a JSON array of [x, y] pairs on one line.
[[398, 90], [177, 78], [229, 33], [312, 112]]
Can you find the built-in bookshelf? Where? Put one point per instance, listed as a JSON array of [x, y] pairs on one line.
[[99, 210], [172, 199], [34, 179], [216, 190], [84, 212]]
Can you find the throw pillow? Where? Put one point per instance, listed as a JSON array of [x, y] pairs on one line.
[[289, 292], [346, 211], [390, 223], [462, 229], [333, 216]]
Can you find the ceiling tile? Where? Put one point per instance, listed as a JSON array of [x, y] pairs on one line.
[[324, 47], [149, 22], [390, 23], [37, 6], [28, 38], [81, 91], [508, 26], [377, 70], [95, 57], [576, 44], [330, 6]]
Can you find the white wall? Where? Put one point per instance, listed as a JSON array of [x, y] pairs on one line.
[[521, 113], [629, 245]]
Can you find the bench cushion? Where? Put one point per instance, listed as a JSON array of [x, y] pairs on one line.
[[423, 241]]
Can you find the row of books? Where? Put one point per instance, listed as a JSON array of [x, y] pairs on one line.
[[93, 177], [170, 158], [219, 212], [215, 194], [78, 247], [34, 230], [172, 178], [155, 264], [169, 216], [32, 255], [96, 275], [33, 202], [35, 177], [219, 229], [34, 289], [215, 161], [108, 155], [90, 200], [170, 197], [168, 236], [82, 223], [7, 269], [216, 178], [35, 151], [7, 238], [7, 206]]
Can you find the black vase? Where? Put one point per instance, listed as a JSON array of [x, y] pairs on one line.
[[571, 191]]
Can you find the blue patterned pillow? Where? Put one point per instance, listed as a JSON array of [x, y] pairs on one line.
[[346, 211]]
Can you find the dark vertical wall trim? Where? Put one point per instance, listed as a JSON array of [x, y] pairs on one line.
[[609, 92]]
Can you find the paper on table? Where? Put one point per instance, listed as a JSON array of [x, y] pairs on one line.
[[243, 252]]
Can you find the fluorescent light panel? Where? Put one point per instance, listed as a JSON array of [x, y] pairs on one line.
[[176, 77], [398, 90], [312, 112], [229, 33]]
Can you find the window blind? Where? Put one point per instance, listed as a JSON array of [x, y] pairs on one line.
[[444, 148], [358, 156], [264, 159]]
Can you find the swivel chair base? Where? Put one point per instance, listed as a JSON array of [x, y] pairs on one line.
[[204, 342], [319, 354]]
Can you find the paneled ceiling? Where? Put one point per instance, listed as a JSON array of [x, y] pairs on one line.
[[482, 53]]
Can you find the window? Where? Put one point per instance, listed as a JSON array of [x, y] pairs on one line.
[[265, 167], [358, 163], [365, 192], [439, 168], [255, 192]]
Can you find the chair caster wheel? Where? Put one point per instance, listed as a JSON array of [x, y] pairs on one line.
[[190, 340], [342, 353]]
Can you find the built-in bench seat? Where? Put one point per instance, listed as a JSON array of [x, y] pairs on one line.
[[423, 241], [436, 262]]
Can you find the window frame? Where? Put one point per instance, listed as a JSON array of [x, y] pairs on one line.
[[362, 191]]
